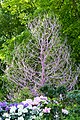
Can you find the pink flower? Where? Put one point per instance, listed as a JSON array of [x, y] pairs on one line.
[[43, 98], [35, 102], [64, 111], [46, 110], [37, 99]]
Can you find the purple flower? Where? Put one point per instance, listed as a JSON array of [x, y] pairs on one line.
[[13, 104], [25, 105], [3, 104], [16, 104], [20, 104], [7, 108], [0, 105]]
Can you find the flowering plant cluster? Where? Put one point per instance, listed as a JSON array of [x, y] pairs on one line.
[[37, 109], [29, 109]]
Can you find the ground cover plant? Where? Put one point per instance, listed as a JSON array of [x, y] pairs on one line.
[[62, 107], [40, 108]]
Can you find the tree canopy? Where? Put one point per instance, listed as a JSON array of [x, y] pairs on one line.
[[14, 16]]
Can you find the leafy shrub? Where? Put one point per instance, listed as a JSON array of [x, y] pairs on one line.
[[74, 96], [53, 91], [48, 90], [73, 99], [68, 100]]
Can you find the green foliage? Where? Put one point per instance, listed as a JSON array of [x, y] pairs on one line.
[[70, 101], [48, 90], [21, 9], [68, 12], [74, 96], [61, 90], [52, 90], [5, 87], [22, 95], [14, 16], [10, 25], [10, 45]]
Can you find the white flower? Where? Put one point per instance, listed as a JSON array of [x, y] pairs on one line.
[[20, 118], [12, 109], [41, 114], [29, 101], [35, 102], [25, 110], [0, 118], [20, 106], [56, 116], [20, 109], [33, 108], [7, 119], [61, 98], [65, 111], [5, 115], [29, 106], [19, 113], [56, 102], [33, 117]]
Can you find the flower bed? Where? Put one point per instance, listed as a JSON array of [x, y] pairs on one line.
[[41, 108]]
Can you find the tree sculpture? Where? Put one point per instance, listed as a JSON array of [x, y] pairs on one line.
[[44, 59]]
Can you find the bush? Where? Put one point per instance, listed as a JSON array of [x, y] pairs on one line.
[[53, 91], [74, 96]]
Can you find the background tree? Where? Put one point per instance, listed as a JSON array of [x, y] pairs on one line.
[[13, 18], [68, 12], [15, 15]]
